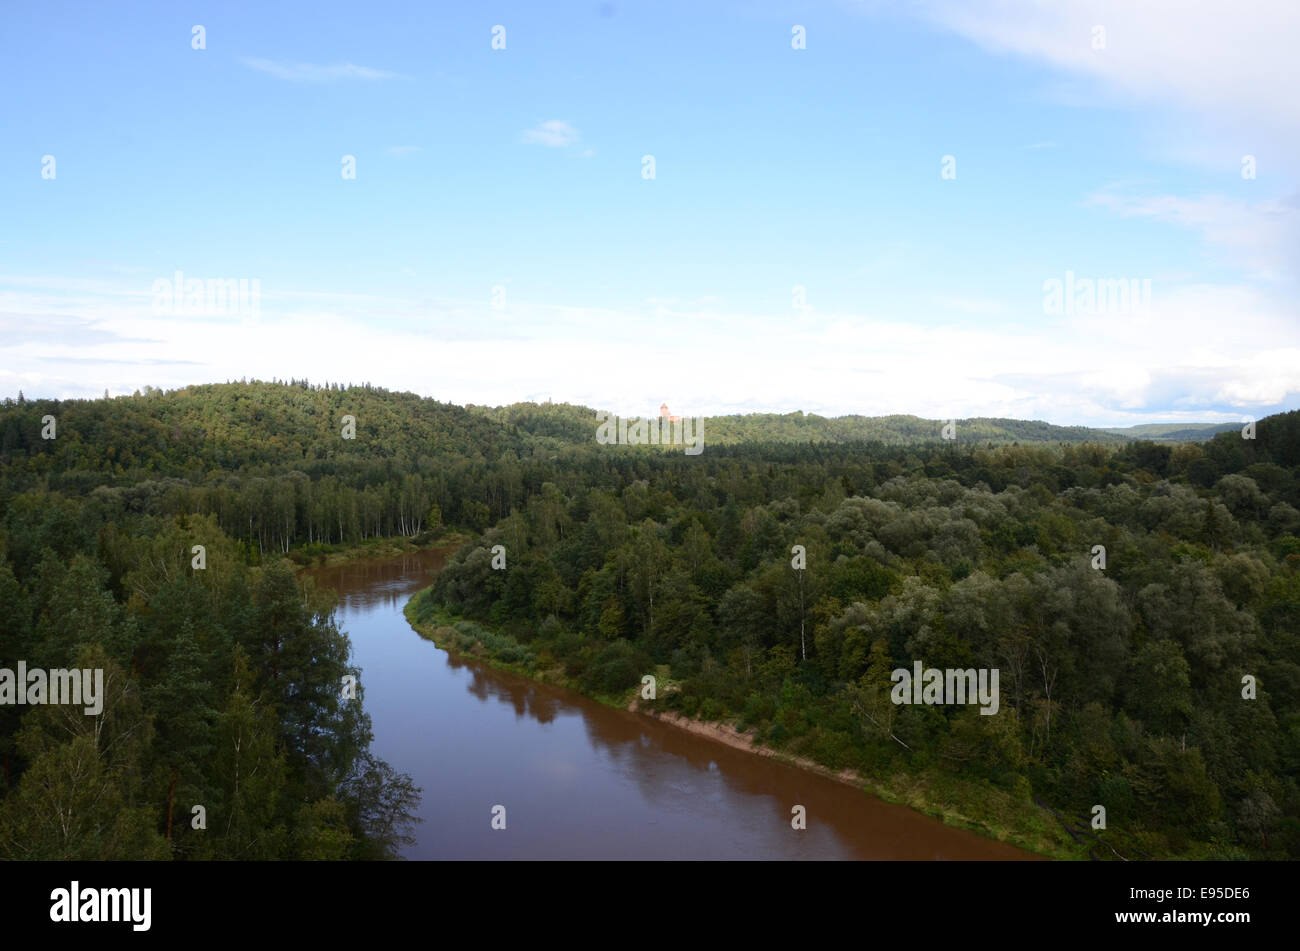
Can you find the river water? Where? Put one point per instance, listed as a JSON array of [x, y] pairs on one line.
[[580, 780]]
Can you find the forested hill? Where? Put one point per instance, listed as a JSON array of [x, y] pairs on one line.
[[260, 427], [243, 426], [283, 465], [566, 422]]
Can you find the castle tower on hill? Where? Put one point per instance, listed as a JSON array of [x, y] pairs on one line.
[[663, 413]]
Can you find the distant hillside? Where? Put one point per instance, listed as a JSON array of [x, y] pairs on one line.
[[566, 422], [259, 428], [1175, 432], [893, 430]]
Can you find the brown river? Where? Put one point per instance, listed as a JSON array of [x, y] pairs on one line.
[[579, 780]]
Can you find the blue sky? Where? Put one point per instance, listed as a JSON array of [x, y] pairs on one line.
[[500, 242]]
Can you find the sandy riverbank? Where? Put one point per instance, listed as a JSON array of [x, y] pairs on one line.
[[724, 733]]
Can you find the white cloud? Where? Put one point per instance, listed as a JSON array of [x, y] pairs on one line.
[[1235, 58], [1224, 75], [553, 133], [311, 73], [1263, 236]]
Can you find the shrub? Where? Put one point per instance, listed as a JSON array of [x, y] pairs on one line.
[[616, 668]]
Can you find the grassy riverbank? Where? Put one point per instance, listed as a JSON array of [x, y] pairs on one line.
[[467, 638], [322, 555], [1009, 817]]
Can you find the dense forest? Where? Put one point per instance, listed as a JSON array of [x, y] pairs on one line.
[[1122, 682]]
